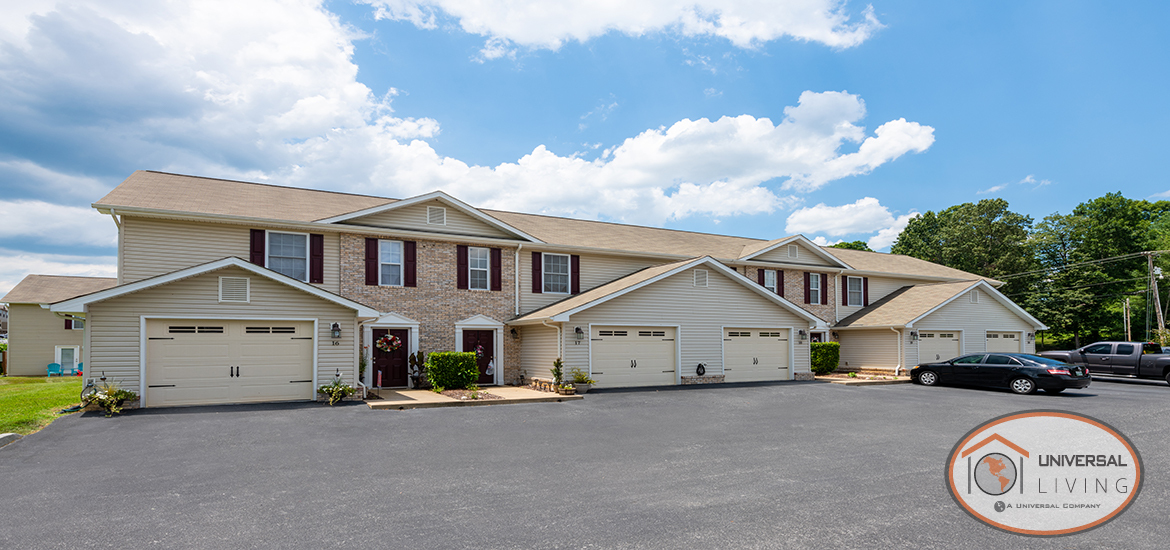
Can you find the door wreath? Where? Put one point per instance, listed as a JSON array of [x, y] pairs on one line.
[[388, 343]]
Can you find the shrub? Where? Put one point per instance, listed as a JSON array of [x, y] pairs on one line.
[[825, 356], [452, 370], [110, 396], [557, 370], [580, 377], [337, 390]]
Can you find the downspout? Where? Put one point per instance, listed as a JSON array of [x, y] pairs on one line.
[[560, 339], [898, 367], [516, 278], [114, 215]]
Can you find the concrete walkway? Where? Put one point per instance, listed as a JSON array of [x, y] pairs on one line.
[[865, 380], [425, 399]]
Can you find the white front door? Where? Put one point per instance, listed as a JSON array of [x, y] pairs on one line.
[[203, 362], [633, 356], [752, 355], [67, 357], [937, 345]]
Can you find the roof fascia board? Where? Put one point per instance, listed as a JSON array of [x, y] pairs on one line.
[[79, 303], [434, 195], [999, 297], [705, 260], [310, 227], [816, 249]]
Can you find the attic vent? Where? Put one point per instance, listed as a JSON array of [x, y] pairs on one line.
[[234, 289], [974, 296], [793, 251], [700, 277], [436, 215]]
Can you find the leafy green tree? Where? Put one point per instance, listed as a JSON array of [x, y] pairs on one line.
[[855, 245]]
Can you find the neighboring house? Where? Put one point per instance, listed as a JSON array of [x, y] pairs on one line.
[[3, 319], [232, 291], [37, 336]]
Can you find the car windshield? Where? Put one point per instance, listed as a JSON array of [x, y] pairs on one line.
[[1041, 360]]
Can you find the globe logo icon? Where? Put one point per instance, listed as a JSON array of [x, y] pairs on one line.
[[995, 474]]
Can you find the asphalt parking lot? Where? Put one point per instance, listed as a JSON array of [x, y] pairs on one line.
[[797, 465]]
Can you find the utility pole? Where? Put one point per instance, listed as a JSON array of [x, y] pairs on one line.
[[1125, 313], [1155, 274]]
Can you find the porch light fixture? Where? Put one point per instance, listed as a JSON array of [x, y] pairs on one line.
[[580, 334], [836, 336], [335, 331], [914, 336], [515, 335], [801, 336], [1031, 337]]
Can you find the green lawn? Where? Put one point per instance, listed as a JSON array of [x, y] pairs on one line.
[[30, 403]]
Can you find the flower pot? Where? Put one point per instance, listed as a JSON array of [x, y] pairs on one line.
[[566, 391], [582, 388]]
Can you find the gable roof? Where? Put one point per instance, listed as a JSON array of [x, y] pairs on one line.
[[909, 304], [175, 192], [160, 192], [437, 196], [752, 251], [78, 303], [46, 289], [562, 310]]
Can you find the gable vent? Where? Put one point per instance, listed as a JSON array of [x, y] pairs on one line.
[[436, 215], [974, 296], [234, 289], [793, 251], [700, 277]]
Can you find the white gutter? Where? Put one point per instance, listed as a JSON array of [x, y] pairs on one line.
[[516, 277], [898, 367], [117, 222]]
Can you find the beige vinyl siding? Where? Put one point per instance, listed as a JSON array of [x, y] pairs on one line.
[[33, 334], [974, 320], [152, 247], [879, 287], [868, 348], [596, 270], [538, 350], [805, 256], [115, 329], [699, 312], [414, 217]]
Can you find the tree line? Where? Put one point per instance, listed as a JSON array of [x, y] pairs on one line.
[[1073, 271]]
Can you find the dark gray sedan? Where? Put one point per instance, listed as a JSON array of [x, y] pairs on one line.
[[1019, 372]]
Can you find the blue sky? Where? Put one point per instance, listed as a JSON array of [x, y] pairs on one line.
[[836, 120]]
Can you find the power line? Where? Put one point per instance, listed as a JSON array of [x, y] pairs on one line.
[[1077, 264], [1049, 290]]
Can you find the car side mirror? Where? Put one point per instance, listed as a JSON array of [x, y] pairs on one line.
[[1081, 351]]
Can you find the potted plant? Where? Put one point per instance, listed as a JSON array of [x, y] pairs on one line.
[[581, 380], [558, 371], [566, 389], [110, 397], [336, 391]]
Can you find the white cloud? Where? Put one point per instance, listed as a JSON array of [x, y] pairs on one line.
[[1030, 179], [56, 224], [993, 189], [548, 25], [14, 265], [887, 236], [267, 91], [866, 215]]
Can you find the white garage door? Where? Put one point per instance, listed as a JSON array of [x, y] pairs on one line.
[[936, 346], [753, 355], [633, 356], [204, 362], [1008, 342]]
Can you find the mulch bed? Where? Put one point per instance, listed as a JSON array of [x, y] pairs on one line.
[[464, 395], [861, 376]]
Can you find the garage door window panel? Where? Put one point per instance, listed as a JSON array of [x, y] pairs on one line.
[[288, 254]]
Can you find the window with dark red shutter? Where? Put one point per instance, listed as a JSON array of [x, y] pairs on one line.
[[537, 273], [497, 269], [316, 258], [69, 324], [780, 282], [575, 273], [844, 290], [461, 266], [865, 291], [409, 264], [760, 276], [371, 261], [807, 290], [257, 247]]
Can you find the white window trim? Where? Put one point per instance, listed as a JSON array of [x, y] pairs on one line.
[[268, 252], [401, 266], [814, 291], [775, 279], [544, 273], [860, 291], [76, 354], [73, 325], [488, 278]]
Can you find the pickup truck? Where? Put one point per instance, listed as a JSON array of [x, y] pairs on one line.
[[1132, 359]]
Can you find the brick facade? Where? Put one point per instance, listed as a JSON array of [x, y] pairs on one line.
[[794, 292], [436, 303]]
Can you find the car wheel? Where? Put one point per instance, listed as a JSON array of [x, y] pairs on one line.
[[1168, 377], [1023, 386], [928, 378], [1054, 391]]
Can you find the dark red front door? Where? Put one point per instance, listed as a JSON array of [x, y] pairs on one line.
[[474, 340], [390, 364]]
